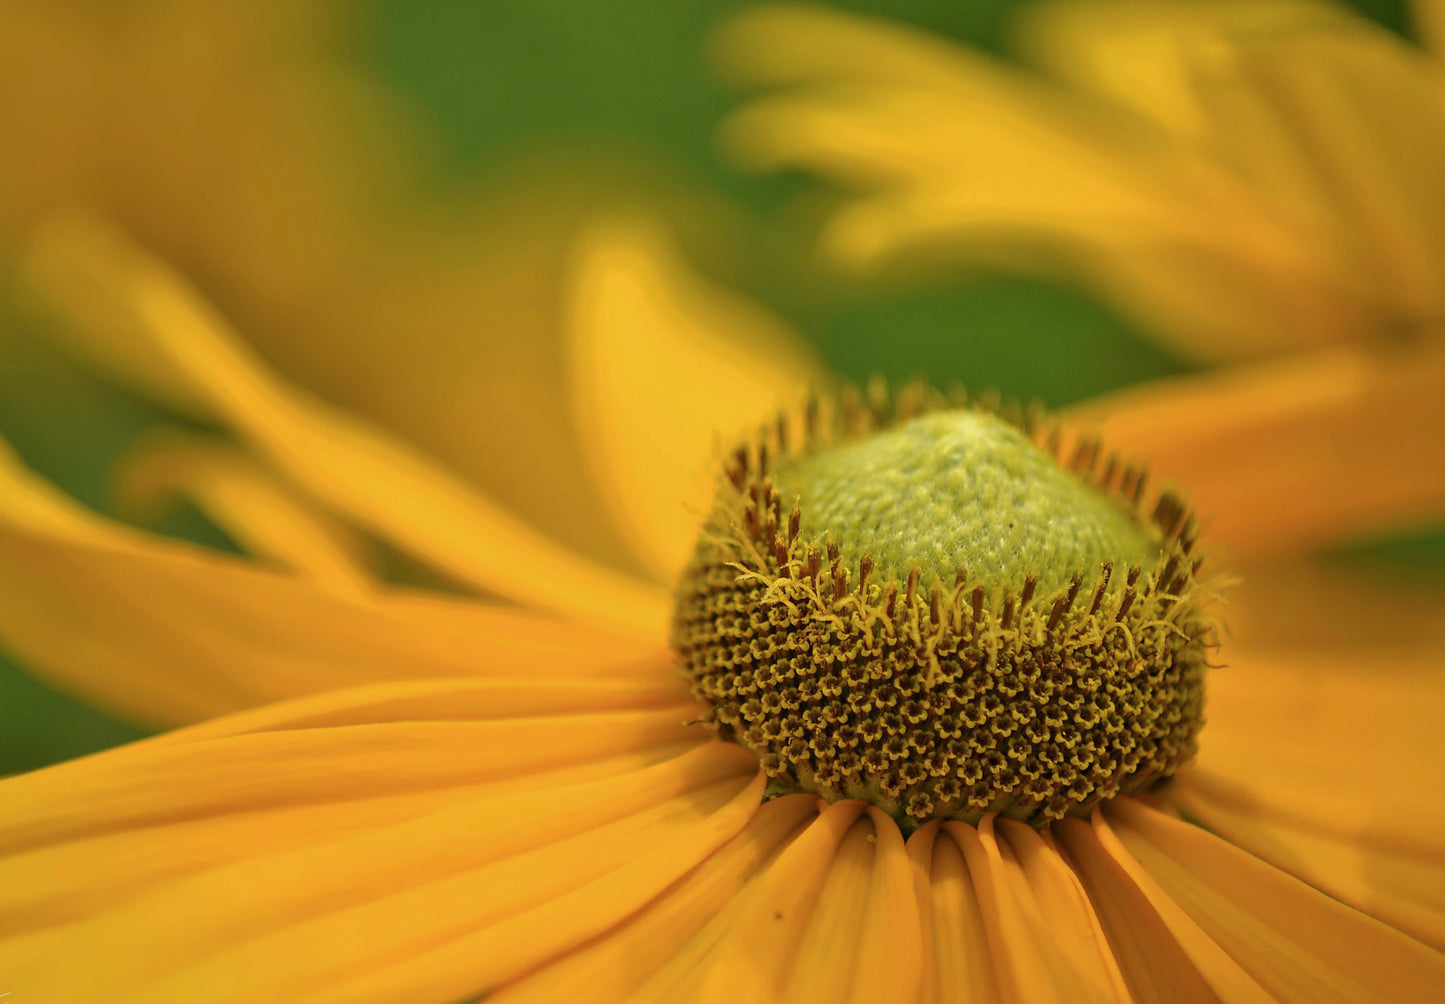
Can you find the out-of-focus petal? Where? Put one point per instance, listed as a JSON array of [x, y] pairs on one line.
[[132, 311], [1297, 942], [616, 965], [1399, 885], [1297, 606], [1344, 124], [167, 633], [493, 863], [1285, 457], [662, 364], [952, 155], [1342, 748], [451, 334], [1346, 739], [1164, 954], [264, 516], [1145, 55], [1428, 20]]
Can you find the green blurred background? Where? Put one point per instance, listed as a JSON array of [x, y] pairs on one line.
[[491, 82]]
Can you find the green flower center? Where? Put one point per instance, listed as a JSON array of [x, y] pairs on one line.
[[928, 611], [957, 489]]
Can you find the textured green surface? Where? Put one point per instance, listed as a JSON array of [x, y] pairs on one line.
[[960, 489]]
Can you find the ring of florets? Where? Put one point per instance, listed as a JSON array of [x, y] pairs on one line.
[[933, 694]]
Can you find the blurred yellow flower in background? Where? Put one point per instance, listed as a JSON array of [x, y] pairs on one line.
[[1246, 177], [243, 143], [492, 789]]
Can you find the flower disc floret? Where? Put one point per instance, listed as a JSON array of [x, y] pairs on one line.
[[922, 606]]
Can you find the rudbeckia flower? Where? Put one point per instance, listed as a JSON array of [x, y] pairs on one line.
[[516, 796]]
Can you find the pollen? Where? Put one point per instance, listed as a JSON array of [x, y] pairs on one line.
[[933, 605]]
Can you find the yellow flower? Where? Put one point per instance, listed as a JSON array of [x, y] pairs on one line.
[[1247, 178], [506, 799], [496, 793]]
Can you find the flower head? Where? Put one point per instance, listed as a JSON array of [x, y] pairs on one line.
[[546, 821], [507, 790]]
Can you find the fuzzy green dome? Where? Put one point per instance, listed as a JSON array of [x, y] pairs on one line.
[[958, 489]]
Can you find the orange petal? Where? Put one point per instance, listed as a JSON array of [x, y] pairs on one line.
[[1043, 937], [1295, 606], [133, 314], [750, 945], [957, 963], [1322, 763], [1297, 942], [1400, 886], [1284, 457], [1164, 954], [476, 887], [862, 942], [1345, 744], [614, 967], [167, 632], [661, 365], [260, 513]]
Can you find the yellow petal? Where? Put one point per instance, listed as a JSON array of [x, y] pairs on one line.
[[126, 304], [169, 633], [951, 155], [357, 759], [750, 944], [1428, 20], [614, 967], [451, 333], [1296, 605], [957, 963], [600, 883], [1043, 937], [1400, 886], [831, 937], [1343, 744], [1164, 954], [1294, 455], [1061, 904], [474, 888], [862, 942], [1370, 108], [662, 364], [260, 513], [334, 263], [1297, 942], [1147, 55]]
